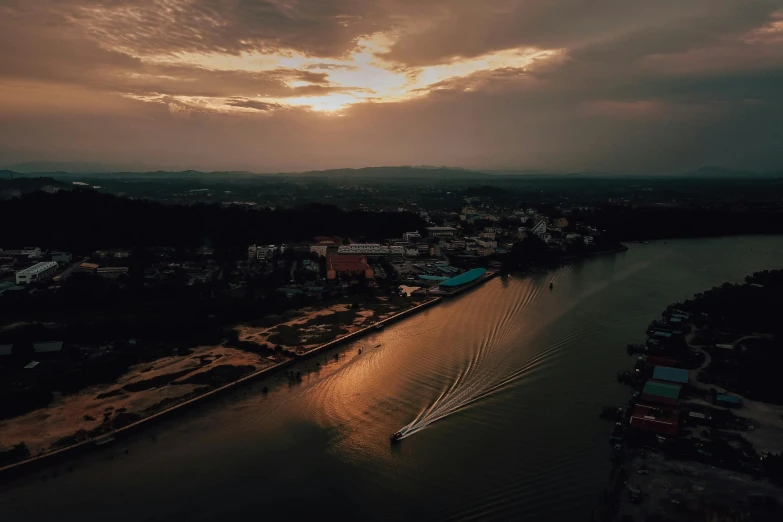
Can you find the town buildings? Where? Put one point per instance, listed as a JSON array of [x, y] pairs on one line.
[[263, 252], [441, 231]]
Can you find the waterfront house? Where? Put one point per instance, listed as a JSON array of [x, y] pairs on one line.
[[655, 419], [661, 393], [728, 401], [668, 374]]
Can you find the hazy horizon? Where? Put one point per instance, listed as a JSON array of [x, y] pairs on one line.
[[277, 86]]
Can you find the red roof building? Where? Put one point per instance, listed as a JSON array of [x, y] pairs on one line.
[[662, 361], [655, 419], [347, 266]]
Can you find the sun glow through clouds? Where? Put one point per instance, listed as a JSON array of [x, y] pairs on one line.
[[363, 76]]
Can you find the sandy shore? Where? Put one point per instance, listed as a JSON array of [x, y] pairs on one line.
[[145, 389], [316, 326], [148, 388]]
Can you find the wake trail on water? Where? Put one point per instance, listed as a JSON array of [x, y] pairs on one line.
[[480, 379]]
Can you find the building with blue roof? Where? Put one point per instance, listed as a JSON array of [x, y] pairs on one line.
[[667, 374], [730, 401], [462, 279]]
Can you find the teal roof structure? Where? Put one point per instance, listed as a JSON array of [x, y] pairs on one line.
[[467, 277]]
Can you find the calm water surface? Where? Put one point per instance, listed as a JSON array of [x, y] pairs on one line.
[[497, 391]]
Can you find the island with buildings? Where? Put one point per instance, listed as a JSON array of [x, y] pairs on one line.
[[701, 437]]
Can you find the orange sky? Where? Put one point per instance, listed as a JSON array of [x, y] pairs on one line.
[[277, 85]]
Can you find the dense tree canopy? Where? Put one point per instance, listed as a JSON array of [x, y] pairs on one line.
[[82, 220]]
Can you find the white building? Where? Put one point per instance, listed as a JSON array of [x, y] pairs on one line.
[[410, 236], [540, 229], [37, 272], [371, 249], [441, 231]]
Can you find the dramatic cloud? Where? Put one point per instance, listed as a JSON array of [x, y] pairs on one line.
[[299, 84]]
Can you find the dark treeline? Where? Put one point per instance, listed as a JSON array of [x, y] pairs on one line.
[[629, 223], [83, 220], [750, 311]]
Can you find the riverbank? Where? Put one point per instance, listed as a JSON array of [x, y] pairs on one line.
[[45, 458], [697, 438]]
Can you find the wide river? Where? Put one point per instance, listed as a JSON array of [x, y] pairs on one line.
[[498, 391]]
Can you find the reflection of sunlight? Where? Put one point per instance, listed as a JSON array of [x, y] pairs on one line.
[[362, 76]]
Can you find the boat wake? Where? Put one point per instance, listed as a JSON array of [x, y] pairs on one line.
[[494, 367]]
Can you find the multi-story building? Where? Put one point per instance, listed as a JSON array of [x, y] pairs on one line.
[[37, 272], [441, 231], [410, 236], [27, 252], [263, 252], [368, 249], [371, 249], [347, 266]]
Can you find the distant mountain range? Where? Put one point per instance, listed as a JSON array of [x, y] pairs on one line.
[[390, 173]]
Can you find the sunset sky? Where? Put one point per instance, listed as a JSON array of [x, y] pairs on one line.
[[282, 85]]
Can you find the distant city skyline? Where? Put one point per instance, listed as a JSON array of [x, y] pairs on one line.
[[280, 86]]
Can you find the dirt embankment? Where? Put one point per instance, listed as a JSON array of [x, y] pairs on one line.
[[315, 326], [145, 389]]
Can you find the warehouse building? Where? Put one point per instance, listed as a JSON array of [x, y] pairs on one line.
[[37, 272]]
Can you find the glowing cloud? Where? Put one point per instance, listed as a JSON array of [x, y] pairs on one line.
[[361, 77]]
